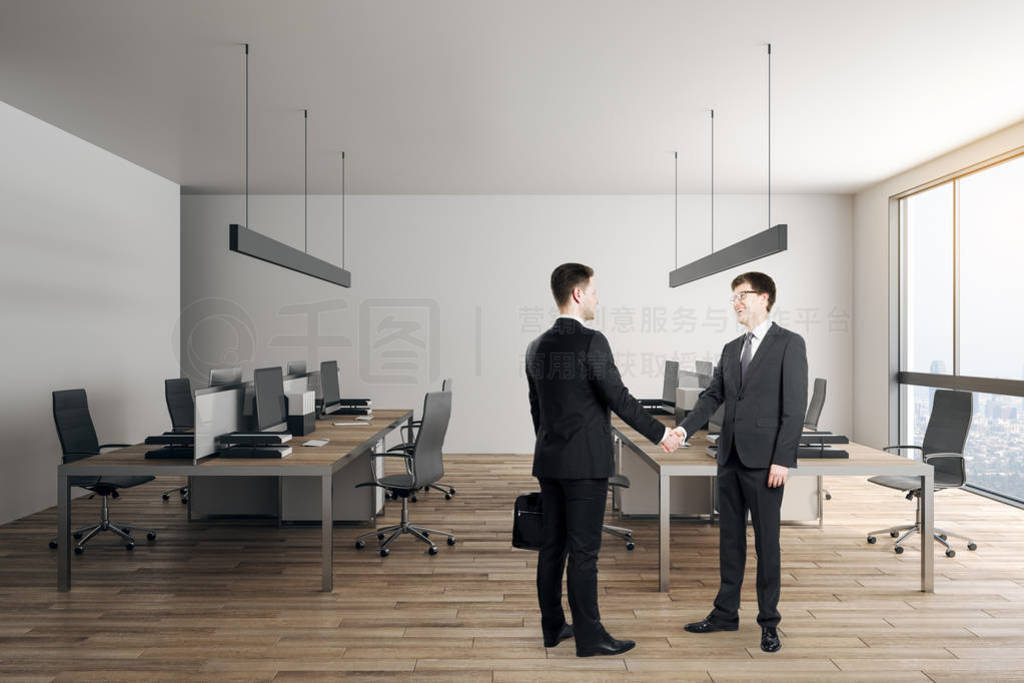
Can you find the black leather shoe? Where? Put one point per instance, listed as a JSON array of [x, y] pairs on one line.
[[705, 625], [770, 639], [606, 646], [565, 634]]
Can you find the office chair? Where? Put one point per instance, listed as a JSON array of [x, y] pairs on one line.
[[814, 407], [181, 406], [943, 448], [409, 430], [78, 441], [425, 465], [619, 481]]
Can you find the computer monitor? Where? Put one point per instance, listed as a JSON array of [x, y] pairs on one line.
[[270, 404], [296, 367], [222, 376], [668, 391], [329, 383]]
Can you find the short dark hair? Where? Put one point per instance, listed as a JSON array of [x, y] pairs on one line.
[[567, 277], [759, 282]]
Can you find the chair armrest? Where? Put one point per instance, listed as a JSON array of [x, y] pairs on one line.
[[407, 456], [406, 447], [901, 446], [937, 456]]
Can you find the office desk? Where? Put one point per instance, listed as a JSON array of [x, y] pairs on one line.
[[694, 462], [346, 445]]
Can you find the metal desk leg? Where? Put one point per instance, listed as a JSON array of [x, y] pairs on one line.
[[712, 486], [821, 501], [664, 556], [63, 532], [928, 532], [327, 531]]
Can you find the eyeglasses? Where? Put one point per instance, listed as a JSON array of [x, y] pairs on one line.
[[739, 295]]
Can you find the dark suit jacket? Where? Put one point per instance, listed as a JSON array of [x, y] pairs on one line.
[[764, 416], [574, 385]]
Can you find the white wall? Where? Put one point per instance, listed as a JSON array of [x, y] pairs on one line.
[[494, 254], [871, 235], [89, 288]]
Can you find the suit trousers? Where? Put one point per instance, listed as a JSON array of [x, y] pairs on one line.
[[573, 517], [741, 488]]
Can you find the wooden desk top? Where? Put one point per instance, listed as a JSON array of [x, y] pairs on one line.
[[345, 443], [863, 460]]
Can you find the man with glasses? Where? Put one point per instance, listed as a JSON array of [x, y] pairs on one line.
[[762, 380]]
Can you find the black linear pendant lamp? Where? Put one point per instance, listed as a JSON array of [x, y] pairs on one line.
[[765, 243], [244, 240]]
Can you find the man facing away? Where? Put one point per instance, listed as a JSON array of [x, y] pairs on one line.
[[574, 385], [762, 379]]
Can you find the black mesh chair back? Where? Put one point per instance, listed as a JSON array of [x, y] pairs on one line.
[[427, 461], [815, 405], [74, 425], [180, 403], [947, 430]]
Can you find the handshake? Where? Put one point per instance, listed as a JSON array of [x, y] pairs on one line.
[[673, 440]]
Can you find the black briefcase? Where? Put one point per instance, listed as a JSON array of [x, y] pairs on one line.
[[528, 525]]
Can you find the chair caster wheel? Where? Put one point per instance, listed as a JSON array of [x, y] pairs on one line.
[[447, 496], [427, 534], [360, 545], [166, 497], [828, 496], [630, 545], [894, 534], [126, 529], [872, 540], [151, 536], [451, 540], [950, 553], [451, 490], [53, 544], [412, 499], [129, 546], [972, 546], [898, 550], [184, 501], [432, 550], [79, 550], [77, 535], [384, 552], [943, 537], [380, 537]]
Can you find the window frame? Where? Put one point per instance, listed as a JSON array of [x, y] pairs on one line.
[[898, 320]]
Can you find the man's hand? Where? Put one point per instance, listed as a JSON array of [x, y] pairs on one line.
[[777, 476], [670, 442], [673, 439]]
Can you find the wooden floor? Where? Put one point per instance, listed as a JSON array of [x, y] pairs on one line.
[[243, 601]]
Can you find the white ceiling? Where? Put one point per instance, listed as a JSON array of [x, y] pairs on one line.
[[518, 96]]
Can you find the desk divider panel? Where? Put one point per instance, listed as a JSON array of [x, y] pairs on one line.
[[218, 412]]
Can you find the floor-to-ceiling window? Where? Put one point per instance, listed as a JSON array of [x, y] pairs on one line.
[[962, 315]]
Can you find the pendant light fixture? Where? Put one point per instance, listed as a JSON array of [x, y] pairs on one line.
[[765, 243], [244, 240]]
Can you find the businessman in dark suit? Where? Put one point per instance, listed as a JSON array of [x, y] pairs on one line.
[[762, 380], [574, 385]]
